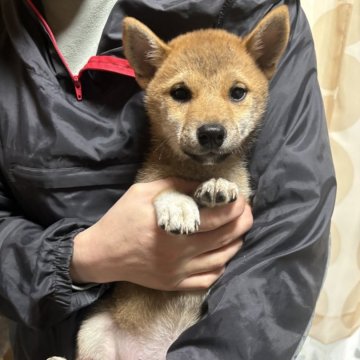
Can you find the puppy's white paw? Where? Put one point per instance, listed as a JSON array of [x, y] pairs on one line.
[[216, 192], [177, 213], [56, 358]]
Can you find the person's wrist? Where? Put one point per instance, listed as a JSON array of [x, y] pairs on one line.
[[83, 262]]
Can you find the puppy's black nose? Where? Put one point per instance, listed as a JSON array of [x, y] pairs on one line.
[[211, 136]]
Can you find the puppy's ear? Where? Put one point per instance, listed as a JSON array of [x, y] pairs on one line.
[[267, 42], [143, 49]]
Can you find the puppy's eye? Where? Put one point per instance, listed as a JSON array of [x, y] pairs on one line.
[[181, 93], [237, 93]]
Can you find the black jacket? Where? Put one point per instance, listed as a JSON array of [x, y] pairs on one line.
[[69, 152]]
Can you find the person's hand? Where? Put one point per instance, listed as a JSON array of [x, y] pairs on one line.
[[126, 244]]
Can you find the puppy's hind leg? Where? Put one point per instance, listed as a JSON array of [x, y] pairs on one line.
[[97, 338]]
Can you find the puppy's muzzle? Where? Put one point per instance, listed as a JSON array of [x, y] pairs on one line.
[[211, 136]]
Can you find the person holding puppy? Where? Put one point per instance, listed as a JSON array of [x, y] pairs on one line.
[[72, 222]]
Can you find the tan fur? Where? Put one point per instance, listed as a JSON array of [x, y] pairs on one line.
[[209, 63], [4, 336]]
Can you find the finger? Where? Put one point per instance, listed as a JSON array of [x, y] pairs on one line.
[[204, 242], [181, 185], [200, 281], [213, 218], [213, 260]]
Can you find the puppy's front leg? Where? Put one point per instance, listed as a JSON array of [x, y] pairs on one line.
[[216, 192], [177, 213]]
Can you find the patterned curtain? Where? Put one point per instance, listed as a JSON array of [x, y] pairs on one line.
[[335, 332]]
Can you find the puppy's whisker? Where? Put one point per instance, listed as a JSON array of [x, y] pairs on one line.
[[162, 146]]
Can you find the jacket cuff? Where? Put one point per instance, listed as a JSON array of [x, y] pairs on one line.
[[67, 297]]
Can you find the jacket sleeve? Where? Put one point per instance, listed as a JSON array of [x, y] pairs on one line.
[[35, 286], [262, 306]]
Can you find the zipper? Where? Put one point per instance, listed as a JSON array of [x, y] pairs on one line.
[[98, 63], [224, 9], [78, 87], [75, 78]]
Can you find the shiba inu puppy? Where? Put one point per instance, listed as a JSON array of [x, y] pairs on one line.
[[205, 93]]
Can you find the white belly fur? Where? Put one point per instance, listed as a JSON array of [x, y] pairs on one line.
[[102, 337]]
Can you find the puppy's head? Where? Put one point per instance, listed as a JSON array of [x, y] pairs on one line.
[[206, 90]]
